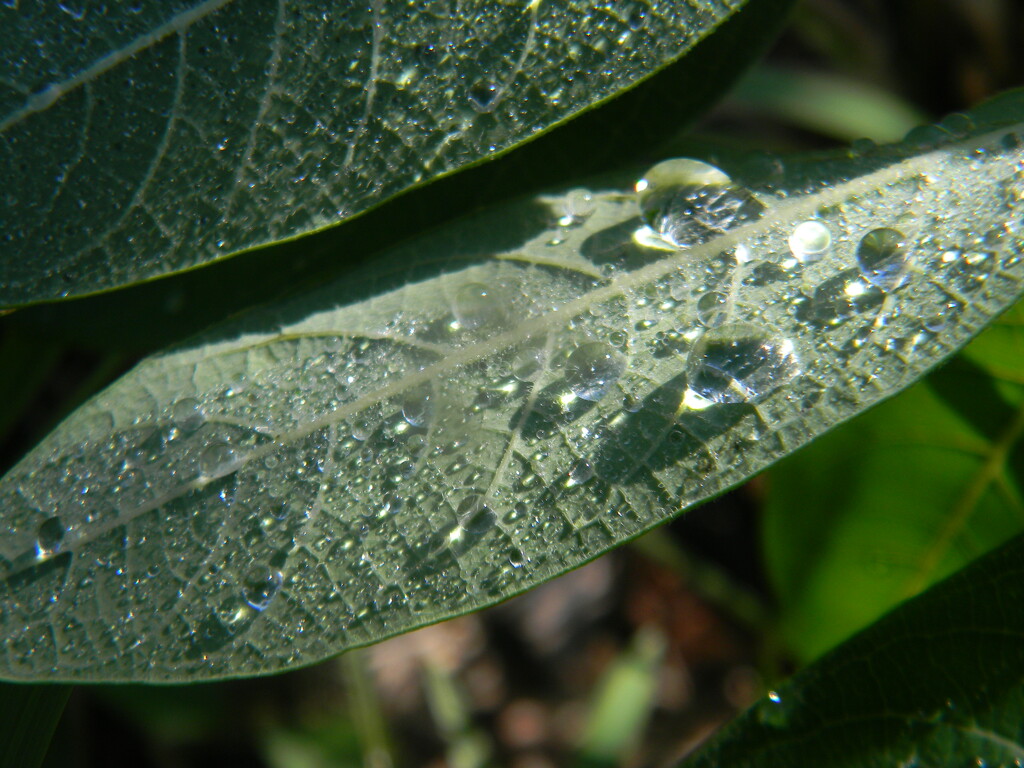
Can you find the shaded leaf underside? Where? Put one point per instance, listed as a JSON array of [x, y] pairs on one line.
[[335, 471], [151, 137]]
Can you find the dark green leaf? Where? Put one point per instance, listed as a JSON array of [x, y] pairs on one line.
[[937, 682], [28, 717], [152, 137]]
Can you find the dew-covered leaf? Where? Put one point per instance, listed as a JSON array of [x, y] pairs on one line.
[[872, 514], [466, 421], [937, 682], [151, 137]]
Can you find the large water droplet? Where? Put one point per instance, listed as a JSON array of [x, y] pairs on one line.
[[687, 202], [581, 472], [591, 370], [417, 406], [809, 241], [49, 538], [478, 306], [218, 460], [261, 585], [712, 309], [577, 207], [737, 364], [882, 258], [528, 363], [475, 517], [482, 95], [188, 414]]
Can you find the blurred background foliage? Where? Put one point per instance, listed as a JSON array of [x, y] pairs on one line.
[[635, 658]]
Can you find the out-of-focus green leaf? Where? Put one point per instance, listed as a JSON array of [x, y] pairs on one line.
[[151, 137], [872, 514], [28, 716], [622, 703], [827, 104], [937, 682], [403, 446]]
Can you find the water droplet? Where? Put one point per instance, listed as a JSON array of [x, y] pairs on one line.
[[862, 147], [957, 124], [687, 202], [809, 241], [969, 270], [580, 472], [417, 406], [478, 306], [591, 370], [482, 95], [926, 137], [528, 363], [49, 537], [218, 460], [736, 364], [188, 414], [261, 585], [773, 711], [712, 309], [577, 206], [882, 258]]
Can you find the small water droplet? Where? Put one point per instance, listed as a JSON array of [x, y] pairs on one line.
[[969, 270], [417, 406], [687, 202], [736, 364], [188, 414], [261, 585], [478, 306], [528, 363], [712, 309], [882, 258], [773, 711], [591, 370], [49, 538], [218, 460], [809, 241]]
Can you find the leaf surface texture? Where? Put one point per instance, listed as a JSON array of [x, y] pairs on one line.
[[151, 137], [492, 405]]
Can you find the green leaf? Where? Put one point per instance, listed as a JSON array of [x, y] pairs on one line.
[[874, 513], [491, 405], [937, 682], [154, 137], [28, 717]]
